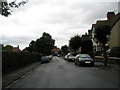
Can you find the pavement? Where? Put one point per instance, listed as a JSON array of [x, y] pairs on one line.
[[13, 76], [109, 67], [113, 63]]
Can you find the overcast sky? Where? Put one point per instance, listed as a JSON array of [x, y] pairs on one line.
[[62, 19]]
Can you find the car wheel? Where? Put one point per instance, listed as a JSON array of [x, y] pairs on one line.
[[75, 63], [78, 63]]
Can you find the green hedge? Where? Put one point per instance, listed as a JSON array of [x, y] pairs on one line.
[[14, 60]]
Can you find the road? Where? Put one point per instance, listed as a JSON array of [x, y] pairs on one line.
[[63, 74]]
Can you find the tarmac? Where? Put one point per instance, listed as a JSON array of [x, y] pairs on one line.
[[20, 73]]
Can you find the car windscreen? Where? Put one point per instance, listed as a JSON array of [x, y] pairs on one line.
[[84, 56]]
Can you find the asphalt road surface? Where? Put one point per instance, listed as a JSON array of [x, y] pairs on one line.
[[63, 74]]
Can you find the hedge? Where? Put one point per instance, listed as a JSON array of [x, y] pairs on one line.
[[14, 60]]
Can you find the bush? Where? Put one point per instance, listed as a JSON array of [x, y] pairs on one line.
[[15, 60]]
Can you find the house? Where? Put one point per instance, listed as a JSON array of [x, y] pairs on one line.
[[96, 45], [87, 36], [16, 49], [113, 22], [56, 51], [114, 38]]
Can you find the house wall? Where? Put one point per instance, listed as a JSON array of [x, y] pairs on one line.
[[115, 36]]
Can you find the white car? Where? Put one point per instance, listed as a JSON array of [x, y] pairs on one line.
[[69, 57]]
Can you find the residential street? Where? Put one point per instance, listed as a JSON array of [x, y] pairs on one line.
[[60, 73]]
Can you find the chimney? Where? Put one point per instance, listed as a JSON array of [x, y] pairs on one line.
[[18, 46], [110, 15]]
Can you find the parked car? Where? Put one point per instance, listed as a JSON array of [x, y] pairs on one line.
[[58, 55], [70, 57], [114, 52], [50, 57], [84, 59], [66, 56], [45, 59]]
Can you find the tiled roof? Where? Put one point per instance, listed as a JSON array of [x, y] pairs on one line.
[[56, 50], [16, 49], [114, 20]]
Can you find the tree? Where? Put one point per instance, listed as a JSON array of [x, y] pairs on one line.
[[86, 46], [31, 46], [7, 48], [44, 44], [6, 7], [75, 42], [101, 33], [64, 49]]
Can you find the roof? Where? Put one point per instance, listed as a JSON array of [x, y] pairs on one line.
[[110, 13], [93, 25], [56, 50], [16, 49], [114, 20], [102, 22]]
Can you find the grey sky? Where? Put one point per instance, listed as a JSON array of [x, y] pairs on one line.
[[60, 18]]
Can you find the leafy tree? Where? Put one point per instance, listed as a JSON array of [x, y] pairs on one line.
[[86, 46], [44, 44], [75, 42], [7, 48], [101, 32], [6, 7], [31, 46], [64, 49]]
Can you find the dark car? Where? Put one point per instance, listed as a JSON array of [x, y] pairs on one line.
[[45, 59], [114, 52], [84, 59]]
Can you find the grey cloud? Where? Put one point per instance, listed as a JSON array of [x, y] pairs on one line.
[[98, 11], [90, 12], [15, 40], [69, 18]]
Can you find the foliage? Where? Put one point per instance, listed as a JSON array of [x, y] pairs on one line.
[[101, 32], [42, 45], [31, 46], [6, 7], [64, 49], [75, 42], [86, 46], [7, 48], [14, 60]]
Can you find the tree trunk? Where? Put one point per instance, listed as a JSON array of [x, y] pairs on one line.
[[105, 55]]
